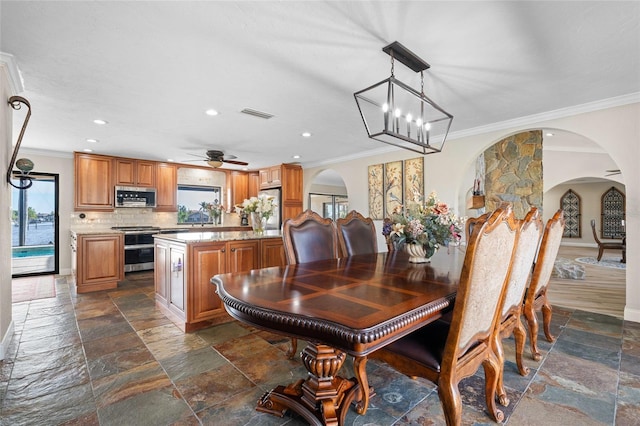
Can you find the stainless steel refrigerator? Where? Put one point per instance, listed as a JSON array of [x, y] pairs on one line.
[[275, 221]]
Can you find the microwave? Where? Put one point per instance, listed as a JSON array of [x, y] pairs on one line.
[[135, 196]]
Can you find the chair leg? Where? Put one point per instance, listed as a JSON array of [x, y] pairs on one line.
[[492, 372], [450, 400], [293, 348], [546, 321], [499, 352], [600, 251], [532, 323], [520, 336]]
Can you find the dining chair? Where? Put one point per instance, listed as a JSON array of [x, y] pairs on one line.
[[446, 352], [307, 238], [525, 252], [356, 234], [604, 245], [536, 296]]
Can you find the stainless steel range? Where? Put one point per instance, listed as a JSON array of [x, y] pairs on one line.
[[138, 247]]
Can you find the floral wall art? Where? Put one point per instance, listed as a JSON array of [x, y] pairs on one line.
[[393, 184]]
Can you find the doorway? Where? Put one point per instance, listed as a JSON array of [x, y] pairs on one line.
[[35, 226]]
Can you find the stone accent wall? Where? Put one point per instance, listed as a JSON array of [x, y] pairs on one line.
[[513, 173]]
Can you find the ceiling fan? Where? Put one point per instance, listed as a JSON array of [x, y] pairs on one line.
[[612, 172], [216, 158]]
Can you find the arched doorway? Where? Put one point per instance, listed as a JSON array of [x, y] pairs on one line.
[[328, 195]]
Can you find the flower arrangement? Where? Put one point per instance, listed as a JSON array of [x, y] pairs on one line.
[[215, 209], [429, 225], [263, 205]]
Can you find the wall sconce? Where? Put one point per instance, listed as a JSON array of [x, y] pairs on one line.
[[24, 165], [399, 115]]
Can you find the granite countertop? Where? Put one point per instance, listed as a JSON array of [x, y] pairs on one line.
[[199, 237], [198, 229]]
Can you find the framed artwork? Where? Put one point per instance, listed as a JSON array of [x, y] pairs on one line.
[[414, 180], [376, 192], [393, 183]]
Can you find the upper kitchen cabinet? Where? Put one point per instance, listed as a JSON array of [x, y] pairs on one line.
[[130, 172], [254, 184], [270, 178], [166, 187], [94, 181], [239, 188], [291, 190]]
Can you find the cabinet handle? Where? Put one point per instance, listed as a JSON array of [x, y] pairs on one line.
[[223, 250], [233, 249]]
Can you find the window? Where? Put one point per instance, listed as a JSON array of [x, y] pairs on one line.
[[192, 200], [612, 212], [570, 205]]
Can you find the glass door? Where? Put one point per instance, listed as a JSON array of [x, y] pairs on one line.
[[34, 227], [329, 205]]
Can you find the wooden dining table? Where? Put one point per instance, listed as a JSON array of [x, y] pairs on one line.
[[353, 305]]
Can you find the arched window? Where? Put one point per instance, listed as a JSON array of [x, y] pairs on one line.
[[612, 212], [570, 205]]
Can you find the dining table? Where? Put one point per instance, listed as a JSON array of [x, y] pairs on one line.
[[351, 305]]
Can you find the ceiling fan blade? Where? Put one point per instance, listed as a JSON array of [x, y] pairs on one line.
[[612, 174], [230, 157], [240, 163]]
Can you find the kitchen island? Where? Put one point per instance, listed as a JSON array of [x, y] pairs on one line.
[[185, 262]]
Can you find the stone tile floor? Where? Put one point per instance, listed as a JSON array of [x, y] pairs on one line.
[[111, 358]]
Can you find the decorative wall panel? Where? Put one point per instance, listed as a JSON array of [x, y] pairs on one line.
[[376, 192], [570, 204]]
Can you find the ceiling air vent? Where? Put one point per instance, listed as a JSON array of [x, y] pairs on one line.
[[257, 113]]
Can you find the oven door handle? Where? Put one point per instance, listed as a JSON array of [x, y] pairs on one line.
[[138, 246]]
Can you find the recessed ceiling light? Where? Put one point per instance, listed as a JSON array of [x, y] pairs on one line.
[[245, 168], [211, 112], [99, 121], [296, 156], [87, 150], [92, 140], [306, 134], [549, 134], [171, 160]]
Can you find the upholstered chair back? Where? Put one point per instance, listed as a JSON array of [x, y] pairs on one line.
[[356, 234], [487, 262], [525, 253], [309, 237], [548, 252]]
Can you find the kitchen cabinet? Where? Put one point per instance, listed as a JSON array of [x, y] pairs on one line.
[[270, 178], [131, 172], [97, 261], [185, 293], [291, 191], [94, 182], [272, 253], [166, 187], [239, 188], [254, 184]]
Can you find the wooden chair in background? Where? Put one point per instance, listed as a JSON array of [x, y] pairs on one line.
[[604, 245], [531, 228], [536, 297], [446, 352], [308, 237], [356, 234]]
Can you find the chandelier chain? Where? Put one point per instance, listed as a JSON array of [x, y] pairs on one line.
[[422, 83], [392, 63]]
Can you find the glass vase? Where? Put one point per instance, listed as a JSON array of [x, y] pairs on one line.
[[258, 223]]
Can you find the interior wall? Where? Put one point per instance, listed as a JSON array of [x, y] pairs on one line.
[[6, 324], [590, 201]]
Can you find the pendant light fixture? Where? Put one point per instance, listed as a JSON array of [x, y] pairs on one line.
[[397, 114]]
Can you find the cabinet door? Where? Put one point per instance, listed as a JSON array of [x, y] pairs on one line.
[[254, 184], [272, 253], [239, 187], [292, 183], [243, 255], [161, 270], [177, 288], [146, 173], [167, 187], [125, 172], [100, 263], [270, 178], [207, 260], [94, 182]]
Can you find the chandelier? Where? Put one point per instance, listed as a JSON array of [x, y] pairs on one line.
[[397, 114]]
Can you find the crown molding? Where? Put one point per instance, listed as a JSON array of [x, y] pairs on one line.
[[16, 82]]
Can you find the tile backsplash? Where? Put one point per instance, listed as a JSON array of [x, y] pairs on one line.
[[134, 217]]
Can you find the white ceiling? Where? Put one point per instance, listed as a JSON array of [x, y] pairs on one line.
[[151, 69]]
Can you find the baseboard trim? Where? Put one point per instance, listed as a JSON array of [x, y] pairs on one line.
[[6, 340], [631, 314]]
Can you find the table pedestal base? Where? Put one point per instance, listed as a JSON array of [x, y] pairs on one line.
[[322, 399]]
